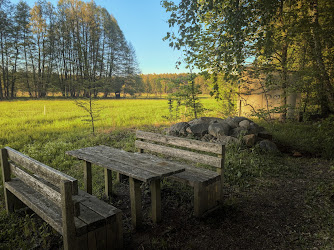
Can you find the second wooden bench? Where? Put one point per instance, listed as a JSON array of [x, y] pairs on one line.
[[207, 184]]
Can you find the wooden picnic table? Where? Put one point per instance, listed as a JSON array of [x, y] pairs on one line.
[[138, 167]]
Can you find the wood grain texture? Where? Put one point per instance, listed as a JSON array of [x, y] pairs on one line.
[[155, 200], [88, 177], [102, 161], [135, 197], [37, 202], [181, 142], [126, 163], [67, 212], [180, 153], [36, 184], [108, 182], [5, 169], [200, 199], [50, 174]]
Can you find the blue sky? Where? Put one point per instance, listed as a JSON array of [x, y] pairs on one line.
[[144, 24]]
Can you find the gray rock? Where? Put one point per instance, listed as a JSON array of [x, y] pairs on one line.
[[255, 129], [238, 132], [244, 124], [231, 122], [208, 120], [218, 129], [238, 119], [227, 140], [249, 140], [198, 129], [268, 146], [178, 129]]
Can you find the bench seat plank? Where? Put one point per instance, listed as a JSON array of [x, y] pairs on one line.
[[192, 176], [105, 210]]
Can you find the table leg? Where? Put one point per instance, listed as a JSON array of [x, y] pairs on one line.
[[120, 177], [88, 177], [108, 182], [135, 197], [156, 200]]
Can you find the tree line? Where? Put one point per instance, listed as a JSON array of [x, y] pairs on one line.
[[74, 48], [168, 83], [285, 43]]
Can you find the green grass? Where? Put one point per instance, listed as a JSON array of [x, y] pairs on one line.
[[314, 138]]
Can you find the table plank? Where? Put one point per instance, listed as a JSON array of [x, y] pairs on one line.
[[111, 164], [130, 164], [159, 166]]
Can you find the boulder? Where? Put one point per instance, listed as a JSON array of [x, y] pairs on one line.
[[249, 140], [198, 129], [231, 122], [178, 129], [238, 119], [208, 120], [218, 129], [227, 140], [244, 124], [255, 129], [268, 146]]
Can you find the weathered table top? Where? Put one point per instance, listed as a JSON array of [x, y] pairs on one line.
[[143, 167]]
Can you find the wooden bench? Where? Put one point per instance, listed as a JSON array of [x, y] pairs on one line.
[[207, 184], [83, 220]]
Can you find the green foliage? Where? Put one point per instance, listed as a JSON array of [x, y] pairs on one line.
[[186, 95], [315, 138], [288, 39]]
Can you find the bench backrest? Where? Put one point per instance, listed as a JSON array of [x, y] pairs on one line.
[[148, 141], [36, 174]]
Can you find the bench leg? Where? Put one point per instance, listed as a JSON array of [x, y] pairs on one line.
[[108, 182], [156, 200], [69, 237], [88, 177], [11, 202], [220, 185], [120, 177], [135, 197], [200, 199]]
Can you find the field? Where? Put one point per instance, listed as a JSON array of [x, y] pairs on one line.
[[271, 201]]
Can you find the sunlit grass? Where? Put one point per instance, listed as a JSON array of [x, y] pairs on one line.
[[35, 121]]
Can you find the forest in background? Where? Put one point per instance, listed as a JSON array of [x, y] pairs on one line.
[[74, 48]]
